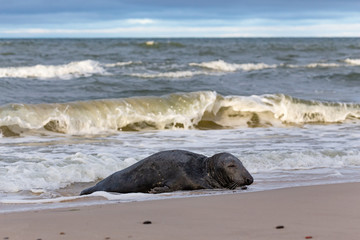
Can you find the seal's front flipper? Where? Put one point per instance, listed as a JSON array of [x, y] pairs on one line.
[[160, 189], [88, 191]]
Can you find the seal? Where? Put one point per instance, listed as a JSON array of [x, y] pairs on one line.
[[176, 170]]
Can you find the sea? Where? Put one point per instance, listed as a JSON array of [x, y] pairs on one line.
[[73, 111]]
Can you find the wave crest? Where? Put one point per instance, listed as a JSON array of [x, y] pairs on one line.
[[176, 74], [355, 62], [194, 110], [223, 66], [88, 68], [121, 64], [71, 70]]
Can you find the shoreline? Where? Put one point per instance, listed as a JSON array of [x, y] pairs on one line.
[[322, 212], [104, 198]]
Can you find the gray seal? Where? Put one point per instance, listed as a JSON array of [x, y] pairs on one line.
[[176, 170]]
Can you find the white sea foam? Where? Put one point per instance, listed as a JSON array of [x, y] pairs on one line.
[[176, 74], [223, 66], [355, 62], [279, 161], [121, 64], [66, 71], [150, 43], [323, 65], [128, 197], [313, 65], [42, 174], [38, 201]]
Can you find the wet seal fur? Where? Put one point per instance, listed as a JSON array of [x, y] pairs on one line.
[[176, 170]]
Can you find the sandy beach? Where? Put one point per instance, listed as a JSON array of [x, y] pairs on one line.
[[314, 212]]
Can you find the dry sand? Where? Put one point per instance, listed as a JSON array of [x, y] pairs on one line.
[[315, 212]]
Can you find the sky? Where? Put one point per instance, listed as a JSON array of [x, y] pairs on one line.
[[173, 18]]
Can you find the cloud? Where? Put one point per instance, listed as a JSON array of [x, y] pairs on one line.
[[152, 28], [81, 10], [142, 21], [186, 18]]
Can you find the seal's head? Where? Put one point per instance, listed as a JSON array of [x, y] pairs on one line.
[[229, 172]]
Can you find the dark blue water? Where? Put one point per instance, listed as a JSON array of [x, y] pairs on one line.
[[293, 75]]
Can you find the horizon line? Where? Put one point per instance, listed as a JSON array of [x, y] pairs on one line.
[[157, 37]]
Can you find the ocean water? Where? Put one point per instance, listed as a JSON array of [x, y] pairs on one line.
[[73, 111]]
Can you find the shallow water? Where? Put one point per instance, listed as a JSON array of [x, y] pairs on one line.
[[74, 111]]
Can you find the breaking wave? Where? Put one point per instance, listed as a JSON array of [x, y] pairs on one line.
[[176, 74], [35, 176], [68, 71], [71, 70], [322, 65], [157, 44], [221, 65], [194, 110], [355, 62], [87, 68], [121, 64]]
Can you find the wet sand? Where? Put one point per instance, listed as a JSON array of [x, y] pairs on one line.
[[315, 212]]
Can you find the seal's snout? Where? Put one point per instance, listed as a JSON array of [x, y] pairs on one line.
[[249, 181]]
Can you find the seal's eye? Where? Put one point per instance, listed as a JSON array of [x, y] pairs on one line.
[[231, 166]]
